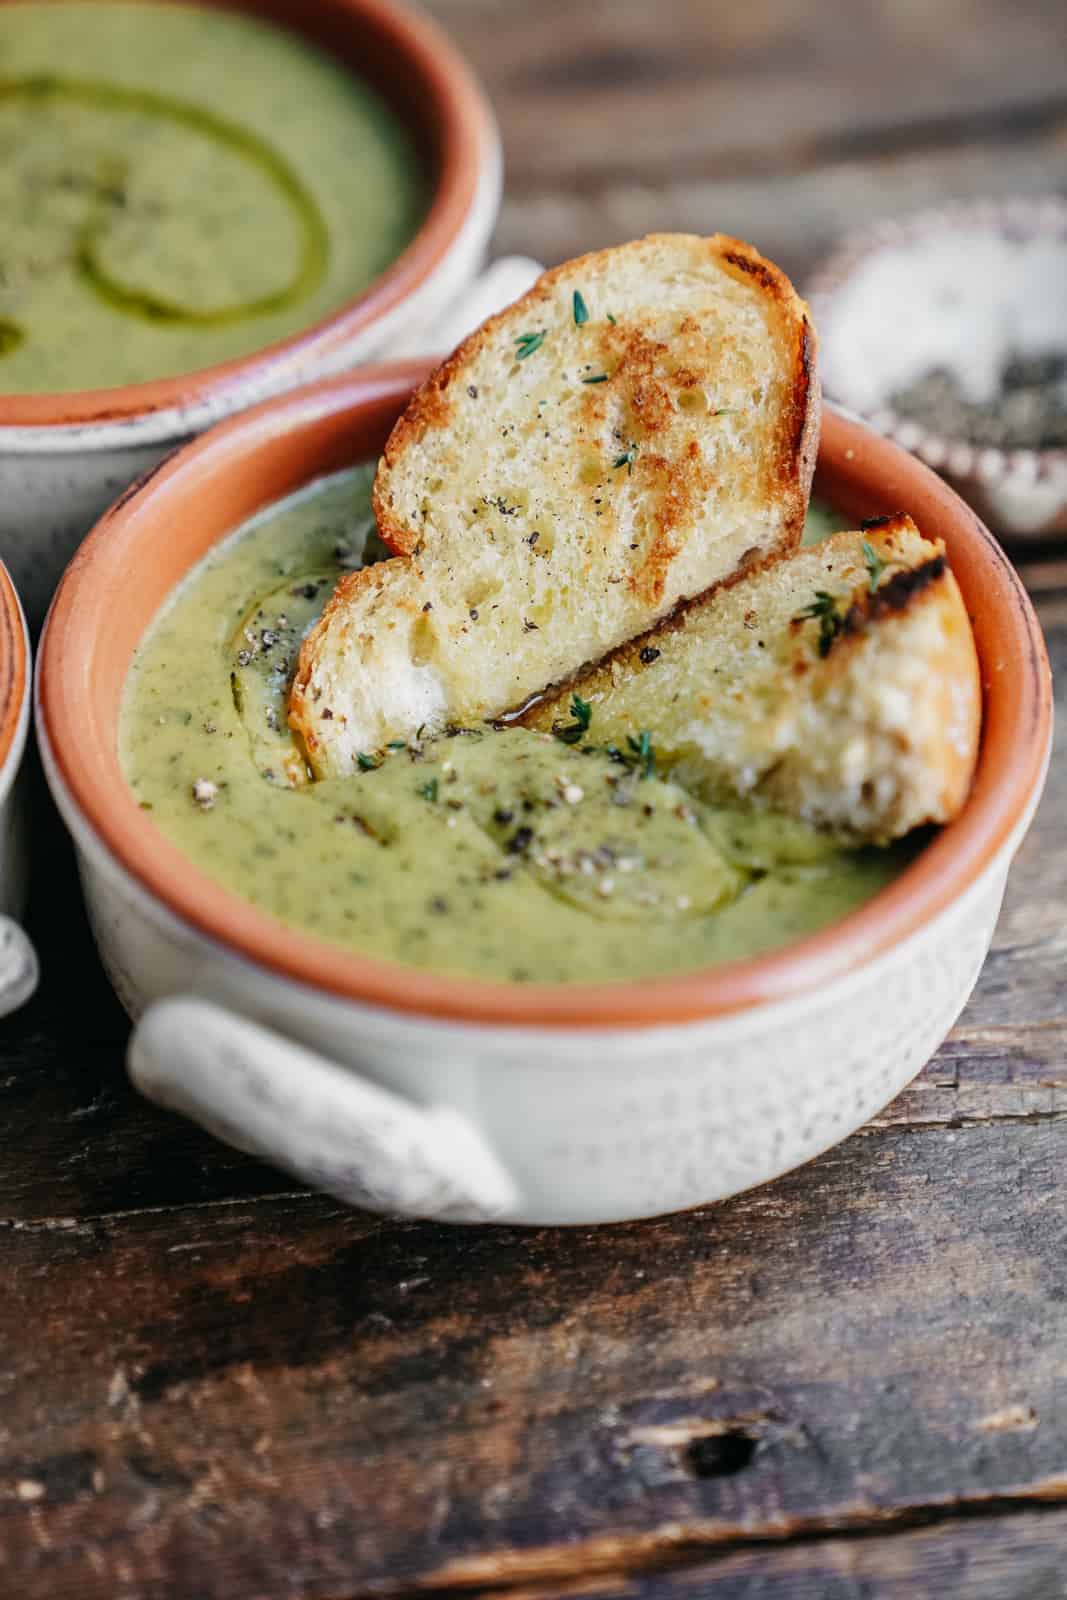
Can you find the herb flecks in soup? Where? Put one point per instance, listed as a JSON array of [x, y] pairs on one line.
[[181, 186], [509, 855]]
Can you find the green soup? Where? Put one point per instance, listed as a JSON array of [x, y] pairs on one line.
[[180, 186], [506, 855]]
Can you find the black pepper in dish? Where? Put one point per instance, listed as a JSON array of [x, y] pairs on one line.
[[1029, 413]]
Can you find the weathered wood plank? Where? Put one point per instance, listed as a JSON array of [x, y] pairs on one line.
[[795, 217], [621, 89], [1021, 1557], [210, 1387], [283, 1398]]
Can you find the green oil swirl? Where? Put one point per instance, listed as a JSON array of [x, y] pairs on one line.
[[11, 336], [107, 199]]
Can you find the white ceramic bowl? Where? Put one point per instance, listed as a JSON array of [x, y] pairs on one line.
[[430, 1095], [65, 457], [18, 965]]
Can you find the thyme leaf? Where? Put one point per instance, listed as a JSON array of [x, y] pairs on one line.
[[831, 621], [626, 459], [875, 565], [527, 343], [367, 763], [428, 791], [574, 732], [581, 310], [642, 753], [598, 377]]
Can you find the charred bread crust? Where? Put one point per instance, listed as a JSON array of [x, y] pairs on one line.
[[898, 681]]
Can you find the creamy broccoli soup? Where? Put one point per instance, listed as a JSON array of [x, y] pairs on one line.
[[180, 186], [500, 854]]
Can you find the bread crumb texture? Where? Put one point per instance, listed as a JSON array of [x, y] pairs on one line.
[[640, 426], [840, 685]]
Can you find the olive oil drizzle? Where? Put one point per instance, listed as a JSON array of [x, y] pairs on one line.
[[108, 198]]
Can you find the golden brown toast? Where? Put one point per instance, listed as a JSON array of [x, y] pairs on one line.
[[639, 426], [839, 684]]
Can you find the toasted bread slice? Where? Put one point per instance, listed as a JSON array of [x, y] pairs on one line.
[[636, 428], [839, 685]]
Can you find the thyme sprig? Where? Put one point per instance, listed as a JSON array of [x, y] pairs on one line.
[[831, 620], [639, 755], [574, 732]]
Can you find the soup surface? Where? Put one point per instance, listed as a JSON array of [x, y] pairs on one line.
[[180, 186], [509, 855]]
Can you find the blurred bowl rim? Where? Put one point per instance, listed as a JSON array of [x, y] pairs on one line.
[[464, 196], [14, 682]]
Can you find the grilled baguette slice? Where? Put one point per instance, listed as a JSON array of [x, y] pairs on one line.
[[639, 426], [839, 685]]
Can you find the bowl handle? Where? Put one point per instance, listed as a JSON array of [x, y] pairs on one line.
[[18, 966], [315, 1118]]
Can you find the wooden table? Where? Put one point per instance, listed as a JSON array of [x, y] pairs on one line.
[[850, 1383]]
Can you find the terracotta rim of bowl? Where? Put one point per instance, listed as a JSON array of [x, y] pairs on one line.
[[1018, 216], [114, 587], [14, 666], [451, 101]]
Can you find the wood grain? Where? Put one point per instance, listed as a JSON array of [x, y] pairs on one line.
[[849, 1385], [616, 88], [795, 217], [781, 124], [282, 1397], [1020, 1557]]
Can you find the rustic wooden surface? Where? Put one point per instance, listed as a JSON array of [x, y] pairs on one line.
[[852, 1383]]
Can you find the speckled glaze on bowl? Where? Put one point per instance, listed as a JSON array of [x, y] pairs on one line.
[[951, 287], [65, 457], [437, 1095], [18, 965]]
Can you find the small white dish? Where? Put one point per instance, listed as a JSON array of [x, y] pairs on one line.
[[963, 290]]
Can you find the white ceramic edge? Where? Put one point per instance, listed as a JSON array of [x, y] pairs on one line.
[[18, 961], [589, 1125], [317, 1119], [438, 289]]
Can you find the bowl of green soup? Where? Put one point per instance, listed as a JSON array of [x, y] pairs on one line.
[[18, 964], [364, 981], [204, 204]]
